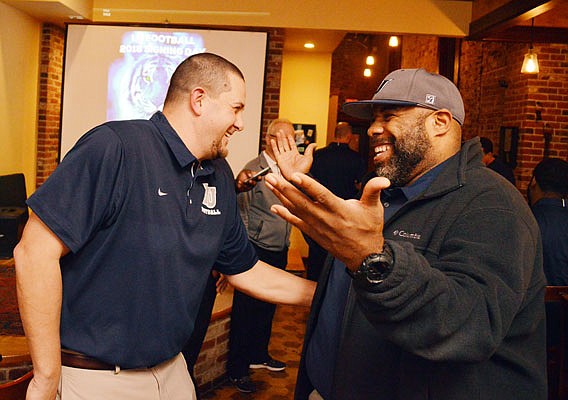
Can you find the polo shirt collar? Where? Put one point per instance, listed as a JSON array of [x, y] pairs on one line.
[[178, 148]]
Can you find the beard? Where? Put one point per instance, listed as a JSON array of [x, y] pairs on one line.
[[409, 150], [219, 148]]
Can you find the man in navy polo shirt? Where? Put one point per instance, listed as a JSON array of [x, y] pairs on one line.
[[113, 262]]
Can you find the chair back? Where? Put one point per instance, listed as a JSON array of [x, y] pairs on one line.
[[13, 212], [16, 389], [13, 190], [556, 301]]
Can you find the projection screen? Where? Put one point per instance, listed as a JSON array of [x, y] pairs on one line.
[[122, 72]]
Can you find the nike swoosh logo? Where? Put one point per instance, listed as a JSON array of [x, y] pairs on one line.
[[160, 193]]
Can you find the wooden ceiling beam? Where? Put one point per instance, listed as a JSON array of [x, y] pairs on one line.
[[523, 34], [506, 16]]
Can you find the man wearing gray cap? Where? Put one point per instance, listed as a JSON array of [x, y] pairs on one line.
[[436, 290]]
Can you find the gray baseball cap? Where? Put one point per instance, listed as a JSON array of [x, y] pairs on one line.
[[411, 87]]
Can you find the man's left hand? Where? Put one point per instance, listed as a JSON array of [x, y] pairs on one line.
[[288, 157]]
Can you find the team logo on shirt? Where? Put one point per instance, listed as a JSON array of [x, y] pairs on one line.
[[209, 200]]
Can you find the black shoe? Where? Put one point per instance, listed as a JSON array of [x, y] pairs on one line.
[[243, 384], [271, 365]]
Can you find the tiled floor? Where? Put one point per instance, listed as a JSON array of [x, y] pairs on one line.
[[285, 344]]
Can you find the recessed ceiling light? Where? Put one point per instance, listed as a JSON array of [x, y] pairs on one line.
[[309, 45], [393, 41]]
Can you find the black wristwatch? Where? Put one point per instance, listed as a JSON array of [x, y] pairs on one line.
[[375, 267]]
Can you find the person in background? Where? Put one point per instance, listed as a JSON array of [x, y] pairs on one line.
[[421, 299], [339, 169], [547, 194], [251, 319], [548, 197], [495, 163], [113, 263]]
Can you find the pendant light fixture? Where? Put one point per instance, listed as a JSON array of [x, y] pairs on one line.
[[530, 63]]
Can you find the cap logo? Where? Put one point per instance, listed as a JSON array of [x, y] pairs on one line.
[[430, 99], [382, 85]]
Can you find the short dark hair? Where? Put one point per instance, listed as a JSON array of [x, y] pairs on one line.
[[551, 174], [486, 145], [207, 70]]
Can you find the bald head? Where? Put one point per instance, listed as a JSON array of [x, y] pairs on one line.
[[343, 132]]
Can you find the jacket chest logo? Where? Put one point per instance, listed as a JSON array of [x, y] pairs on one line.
[[407, 235]]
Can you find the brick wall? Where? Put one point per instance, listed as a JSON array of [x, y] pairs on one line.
[[420, 51], [496, 94], [49, 107], [273, 78], [211, 365]]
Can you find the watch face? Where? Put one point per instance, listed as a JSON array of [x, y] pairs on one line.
[[377, 266]]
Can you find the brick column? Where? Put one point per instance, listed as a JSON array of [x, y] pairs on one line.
[[272, 80], [49, 107]]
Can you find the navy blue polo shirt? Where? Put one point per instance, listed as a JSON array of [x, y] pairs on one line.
[[145, 223], [321, 353]]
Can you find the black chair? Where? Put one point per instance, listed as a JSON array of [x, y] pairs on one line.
[[13, 212]]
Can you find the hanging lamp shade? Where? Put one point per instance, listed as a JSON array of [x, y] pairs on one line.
[[530, 63]]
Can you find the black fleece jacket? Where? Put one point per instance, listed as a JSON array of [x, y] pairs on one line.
[[461, 316]]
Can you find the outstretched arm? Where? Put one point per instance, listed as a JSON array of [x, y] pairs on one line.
[[287, 156], [274, 285], [348, 229]]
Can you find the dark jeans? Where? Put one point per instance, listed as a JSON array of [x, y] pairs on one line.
[[251, 323]]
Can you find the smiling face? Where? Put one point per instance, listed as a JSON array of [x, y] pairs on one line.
[[401, 144], [225, 116]]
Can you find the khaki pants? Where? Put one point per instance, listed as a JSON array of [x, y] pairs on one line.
[[166, 381]]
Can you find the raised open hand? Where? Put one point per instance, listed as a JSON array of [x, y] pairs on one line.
[[287, 156], [348, 229]]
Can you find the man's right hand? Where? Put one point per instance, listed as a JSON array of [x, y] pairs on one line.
[[243, 183], [38, 390]]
